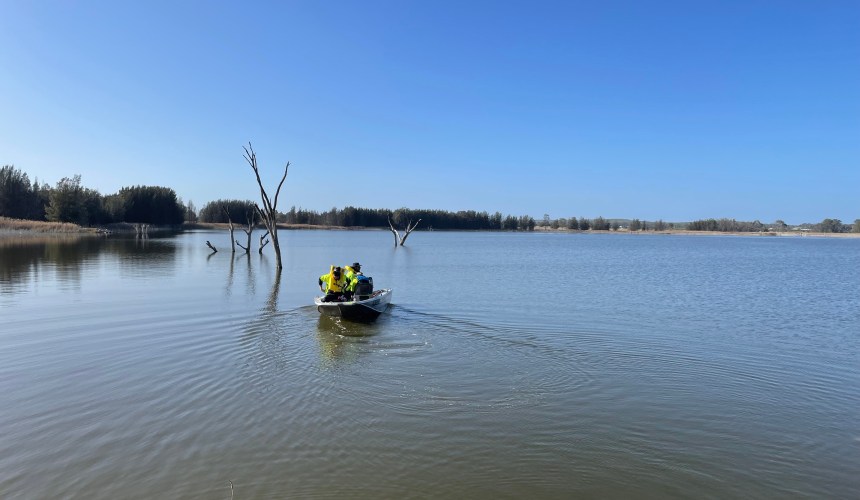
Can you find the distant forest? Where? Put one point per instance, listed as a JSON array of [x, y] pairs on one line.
[[238, 211], [69, 201]]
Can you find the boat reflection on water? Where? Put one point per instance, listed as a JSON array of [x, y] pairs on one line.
[[341, 340], [338, 326]]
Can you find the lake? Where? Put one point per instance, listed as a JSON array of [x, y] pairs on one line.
[[510, 365]]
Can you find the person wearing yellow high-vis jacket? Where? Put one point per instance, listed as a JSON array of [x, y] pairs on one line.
[[333, 284], [352, 273]]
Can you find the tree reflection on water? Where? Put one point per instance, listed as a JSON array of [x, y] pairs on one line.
[[65, 258]]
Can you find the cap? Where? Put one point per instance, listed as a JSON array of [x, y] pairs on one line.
[[356, 265]]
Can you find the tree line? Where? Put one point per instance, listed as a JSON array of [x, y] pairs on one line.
[[218, 211], [223, 211], [70, 201], [734, 226], [726, 226]]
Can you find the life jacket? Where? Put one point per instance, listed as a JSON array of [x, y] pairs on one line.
[[351, 275], [332, 284]]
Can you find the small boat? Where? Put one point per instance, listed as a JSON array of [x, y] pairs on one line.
[[367, 308]]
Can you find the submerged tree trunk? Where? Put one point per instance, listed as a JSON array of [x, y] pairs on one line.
[[394, 231], [268, 211], [409, 228], [230, 221], [262, 242], [249, 216]]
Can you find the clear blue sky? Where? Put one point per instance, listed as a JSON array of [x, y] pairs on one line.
[[673, 110]]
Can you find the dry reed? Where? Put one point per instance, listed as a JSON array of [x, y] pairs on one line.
[[33, 226]]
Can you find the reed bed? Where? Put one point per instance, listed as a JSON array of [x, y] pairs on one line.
[[15, 226]]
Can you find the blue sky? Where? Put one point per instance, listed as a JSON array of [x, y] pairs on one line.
[[672, 110]]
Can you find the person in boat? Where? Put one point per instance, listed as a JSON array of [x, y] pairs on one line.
[[352, 273], [333, 284]]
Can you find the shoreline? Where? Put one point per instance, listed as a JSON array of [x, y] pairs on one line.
[[16, 228], [685, 232]]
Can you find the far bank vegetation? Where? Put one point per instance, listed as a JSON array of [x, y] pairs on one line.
[[68, 201]]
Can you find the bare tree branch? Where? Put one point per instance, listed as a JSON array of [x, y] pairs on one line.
[[214, 250], [396, 235], [409, 228], [251, 157], [249, 218], [268, 212], [278, 192], [229, 221], [263, 243]]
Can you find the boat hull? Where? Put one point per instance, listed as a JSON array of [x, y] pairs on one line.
[[359, 310]]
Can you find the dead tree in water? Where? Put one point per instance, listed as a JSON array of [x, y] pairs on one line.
[[409, 228], [250, 217], [230, 221], [268, 212], [263, 243]]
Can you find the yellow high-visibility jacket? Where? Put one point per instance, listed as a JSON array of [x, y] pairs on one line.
[[351, 278], [331, 284]]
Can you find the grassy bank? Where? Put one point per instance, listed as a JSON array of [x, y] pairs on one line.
[[22, 227]]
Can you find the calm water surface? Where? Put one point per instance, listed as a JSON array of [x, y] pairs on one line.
[[509, 366]]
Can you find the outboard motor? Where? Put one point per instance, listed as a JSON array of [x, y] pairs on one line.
[[364, 288]]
